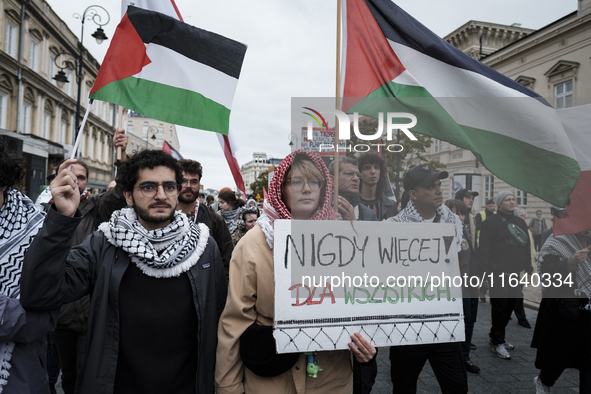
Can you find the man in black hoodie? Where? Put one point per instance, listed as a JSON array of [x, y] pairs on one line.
[[504, 251]]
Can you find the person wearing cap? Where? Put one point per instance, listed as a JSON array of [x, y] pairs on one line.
[[489, 210], [504, 250], [425, 205]]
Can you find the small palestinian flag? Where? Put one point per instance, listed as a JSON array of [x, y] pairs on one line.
[[168, 70], [171, 151], [392, 63]]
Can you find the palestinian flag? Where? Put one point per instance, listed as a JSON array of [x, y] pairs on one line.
[[168, 70], [171, 151], [576, 121], [392, 63]]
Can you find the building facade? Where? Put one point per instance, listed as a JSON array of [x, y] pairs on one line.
[[33, 39], [148, 133], [552, 61], [260, 162]]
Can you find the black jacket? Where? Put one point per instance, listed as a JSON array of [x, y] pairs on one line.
[[498, 252], [219, 232], [54, 274]]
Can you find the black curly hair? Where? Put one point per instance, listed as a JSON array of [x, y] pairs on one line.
[[12, 170], [128, 172]]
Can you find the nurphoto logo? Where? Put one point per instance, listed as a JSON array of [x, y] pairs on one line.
[[345, 131]]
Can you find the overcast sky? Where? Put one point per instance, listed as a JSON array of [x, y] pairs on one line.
[[291, 53]]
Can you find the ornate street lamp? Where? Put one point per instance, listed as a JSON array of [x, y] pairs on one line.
[[97, 14]]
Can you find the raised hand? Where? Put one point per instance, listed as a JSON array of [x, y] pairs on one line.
[[64, 190], [346, 209], [120, 141], [580, 255]]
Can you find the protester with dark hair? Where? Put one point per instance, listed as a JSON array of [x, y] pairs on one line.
[[22, 332], [248, 218], [230, 206], [156, 282], [69, 338], [561, 333], [406, 362], [209, 200], [199, 213], [538, 226], [374, 178], [300, 189], [504, 250], [201, 198], [350, 207]]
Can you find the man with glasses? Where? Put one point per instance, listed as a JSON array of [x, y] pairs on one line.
[[155, 278], [350, 206], [200, 213]]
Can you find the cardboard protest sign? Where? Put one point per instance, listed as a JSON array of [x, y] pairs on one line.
[[391, 282]]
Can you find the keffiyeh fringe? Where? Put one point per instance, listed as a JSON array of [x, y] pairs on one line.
[[565, 246], [410, 214], [162, 253]]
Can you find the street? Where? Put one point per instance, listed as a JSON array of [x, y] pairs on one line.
[[497, 375]]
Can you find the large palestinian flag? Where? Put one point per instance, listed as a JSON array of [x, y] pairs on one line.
[[392, 63], [168, 70]]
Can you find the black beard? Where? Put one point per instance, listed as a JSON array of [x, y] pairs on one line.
[[191, 199], [146, 217]]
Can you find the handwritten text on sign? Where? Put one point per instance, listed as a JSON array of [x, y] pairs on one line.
[[387, 281]]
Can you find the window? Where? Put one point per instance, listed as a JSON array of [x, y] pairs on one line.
[[27, 118], [3, 103], [158, 142], [91, 148], [130, 128], [563, 95], [69, 87], [11, 34], [82, 145], [145, 129], [34, 55], [113, 114], [489, 187], [63, 129], [520, 198], [46, 125], [105, 107], [52, 70], [436, 145], [160, 130]]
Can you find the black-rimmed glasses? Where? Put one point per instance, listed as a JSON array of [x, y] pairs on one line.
[[150, 189]]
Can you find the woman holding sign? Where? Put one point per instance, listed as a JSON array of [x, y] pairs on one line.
[[246, 356]]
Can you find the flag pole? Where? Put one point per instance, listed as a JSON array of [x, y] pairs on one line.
[[337, 106], [119, 126], [75, 150]]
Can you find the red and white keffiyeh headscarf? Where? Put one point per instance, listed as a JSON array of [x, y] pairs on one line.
[[274, 208]]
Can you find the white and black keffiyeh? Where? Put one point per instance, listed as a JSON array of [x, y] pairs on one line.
[[231, 219], [162, 253], [410, 214], [565, 246], [20, 221]]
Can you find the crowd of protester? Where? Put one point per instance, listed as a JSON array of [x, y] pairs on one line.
[[153, 287]]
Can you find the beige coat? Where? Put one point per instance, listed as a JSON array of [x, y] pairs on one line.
[[250, 298]]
